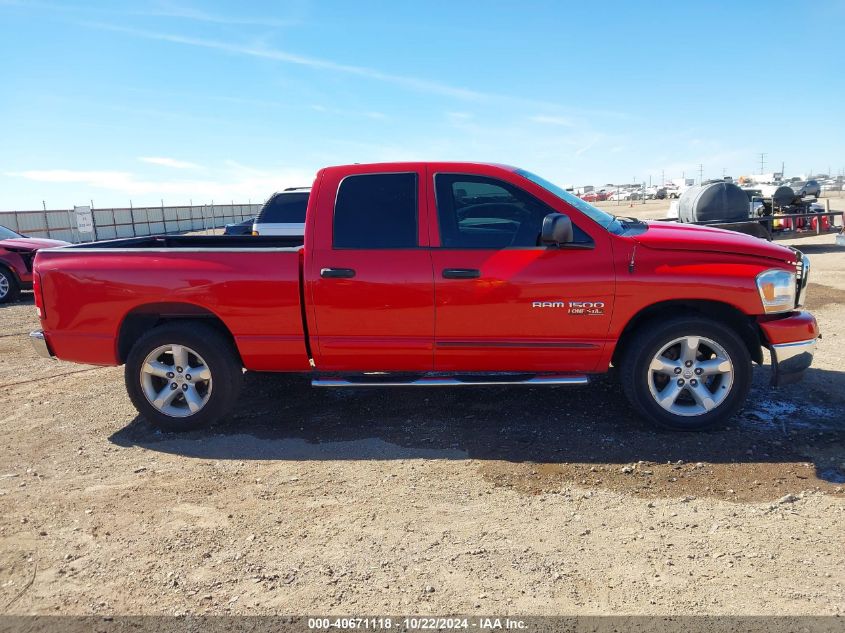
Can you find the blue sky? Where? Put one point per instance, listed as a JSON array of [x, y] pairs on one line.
[[187, 100]]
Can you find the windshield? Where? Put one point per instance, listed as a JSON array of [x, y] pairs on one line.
[[602, 218], [8, 234]]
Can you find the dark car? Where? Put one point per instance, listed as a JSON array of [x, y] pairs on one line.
[[239, 228], [16, 254], [804, 189]]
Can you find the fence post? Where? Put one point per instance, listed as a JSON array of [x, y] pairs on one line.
[[94, 221]]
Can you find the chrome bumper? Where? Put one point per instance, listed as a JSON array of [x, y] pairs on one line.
[[39, 343], [790, 360]]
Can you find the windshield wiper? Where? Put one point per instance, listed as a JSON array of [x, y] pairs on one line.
[[628, 219]]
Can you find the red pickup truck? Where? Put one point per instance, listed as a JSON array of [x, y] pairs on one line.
[[434, 274]]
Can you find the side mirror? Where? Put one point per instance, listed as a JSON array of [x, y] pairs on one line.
[[557, 229]]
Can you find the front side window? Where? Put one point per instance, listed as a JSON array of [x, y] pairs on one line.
[[480, 212], [376, 211], [602, 218]]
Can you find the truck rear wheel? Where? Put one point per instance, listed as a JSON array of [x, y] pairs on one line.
[[686, 374], [182, 376]]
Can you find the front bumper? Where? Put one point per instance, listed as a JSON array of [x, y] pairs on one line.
[[791, 360], [39, 343], [792, 341]]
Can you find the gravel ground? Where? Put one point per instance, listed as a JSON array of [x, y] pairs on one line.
[[491, 500]]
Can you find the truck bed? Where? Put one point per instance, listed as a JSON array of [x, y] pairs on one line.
[[220, 242], [95, 293]]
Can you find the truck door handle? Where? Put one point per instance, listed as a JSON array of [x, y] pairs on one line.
[[337, 273], [461, 273]]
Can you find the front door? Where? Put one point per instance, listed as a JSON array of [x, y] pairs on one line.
[[370, 276], [504, 302]]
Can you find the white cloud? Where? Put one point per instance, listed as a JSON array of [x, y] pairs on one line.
[[368, 114], [412, 83], [237, 183], [553, 120], [168, 162], [189, 13], [587, 147]]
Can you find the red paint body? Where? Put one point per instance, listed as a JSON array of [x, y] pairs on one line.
[[398, 313]]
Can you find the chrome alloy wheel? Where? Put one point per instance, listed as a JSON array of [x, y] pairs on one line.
[[176, 380], [4, 285], [690, 376]]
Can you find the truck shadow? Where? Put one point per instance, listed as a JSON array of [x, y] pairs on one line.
[[819, 249], [26, 299], [281, 417]]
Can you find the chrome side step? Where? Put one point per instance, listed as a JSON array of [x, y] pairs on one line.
[[446, 381]]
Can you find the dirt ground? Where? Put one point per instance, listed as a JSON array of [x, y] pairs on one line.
[[498, 500]]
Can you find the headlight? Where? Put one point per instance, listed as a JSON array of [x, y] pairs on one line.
[[777, 290]]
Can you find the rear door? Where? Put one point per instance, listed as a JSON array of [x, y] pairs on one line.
[[369, 274], [503, 301]]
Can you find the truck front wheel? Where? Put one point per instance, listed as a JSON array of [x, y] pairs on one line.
[[686, 374], [182, 376]]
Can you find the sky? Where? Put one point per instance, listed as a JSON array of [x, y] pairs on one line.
[[182, 100]]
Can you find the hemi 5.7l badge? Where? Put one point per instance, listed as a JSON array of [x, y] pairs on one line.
[[573, 307]]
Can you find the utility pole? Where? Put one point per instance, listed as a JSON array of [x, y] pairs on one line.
[[700, 174], [662, 178], [762, 161]]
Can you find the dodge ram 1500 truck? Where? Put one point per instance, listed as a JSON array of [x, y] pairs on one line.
[[434, 274]]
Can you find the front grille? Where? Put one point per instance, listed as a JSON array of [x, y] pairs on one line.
[[27, 260], [802, 276]]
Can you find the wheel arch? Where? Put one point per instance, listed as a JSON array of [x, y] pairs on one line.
[[744, 325], [7, 266], [145, 317]]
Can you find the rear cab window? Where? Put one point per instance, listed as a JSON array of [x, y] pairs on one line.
[[376, 211]]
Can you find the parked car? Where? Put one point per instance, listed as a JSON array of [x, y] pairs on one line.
[[239, 228], [594, 196], [806, 188], [435, 274], [16, 254], [283, 213]]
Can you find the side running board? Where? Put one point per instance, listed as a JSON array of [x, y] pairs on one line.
[[450, 381]]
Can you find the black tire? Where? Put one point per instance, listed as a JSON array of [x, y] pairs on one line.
[[10, 291], [220, 357], [650, 339]]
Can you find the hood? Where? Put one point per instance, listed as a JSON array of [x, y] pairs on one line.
[[672, 236], [31, 243]]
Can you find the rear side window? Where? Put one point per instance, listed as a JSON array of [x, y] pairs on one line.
[[284, 208], [376, 211]]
